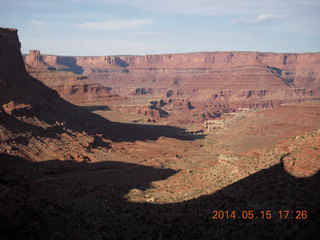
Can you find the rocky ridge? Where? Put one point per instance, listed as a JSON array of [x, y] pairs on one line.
[[204, 84], [35, 122]]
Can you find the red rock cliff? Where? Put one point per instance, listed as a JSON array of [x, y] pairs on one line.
[[213, 81], [194, 60], [11, 62], [35, 123], [302, 69]]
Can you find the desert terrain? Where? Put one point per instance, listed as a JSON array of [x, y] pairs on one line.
[[148, 147]]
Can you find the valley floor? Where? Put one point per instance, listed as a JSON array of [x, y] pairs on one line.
[[167, 188]]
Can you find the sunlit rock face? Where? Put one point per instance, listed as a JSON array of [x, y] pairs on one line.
[[201, 85]]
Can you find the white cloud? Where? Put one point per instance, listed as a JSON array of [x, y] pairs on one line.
[[226, 34], [148, 34], [260, 19], [115, 24], [266, 17], [213, 7], [37, 23]]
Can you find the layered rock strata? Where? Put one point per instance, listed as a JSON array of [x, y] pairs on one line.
[[210, 82], [35, 123]]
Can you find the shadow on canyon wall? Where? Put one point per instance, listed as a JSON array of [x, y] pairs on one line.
[[49, 107], [71, 63], [96, 108], [70, 200]]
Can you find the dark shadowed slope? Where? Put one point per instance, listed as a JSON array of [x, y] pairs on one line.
[[65, 200]]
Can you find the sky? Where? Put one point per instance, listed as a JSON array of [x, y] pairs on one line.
[[139, 27]]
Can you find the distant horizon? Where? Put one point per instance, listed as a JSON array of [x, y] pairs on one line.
[[177, 53], [144, 27]]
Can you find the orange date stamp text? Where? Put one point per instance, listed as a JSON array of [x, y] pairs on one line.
[[264, 214]]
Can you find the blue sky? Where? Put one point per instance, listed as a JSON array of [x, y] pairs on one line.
[[137, 27]]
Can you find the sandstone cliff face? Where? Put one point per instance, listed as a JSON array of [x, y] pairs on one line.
[[198, 69], [60, 74], [14, 81], [199, 60], [11, 63], [214, 82], [35, 123]]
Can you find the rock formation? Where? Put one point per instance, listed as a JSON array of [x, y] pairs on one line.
[[64, 78], [211, 82], [35, 122]]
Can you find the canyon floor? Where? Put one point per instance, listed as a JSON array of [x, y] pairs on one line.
[[168, 187], [235, 146]]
